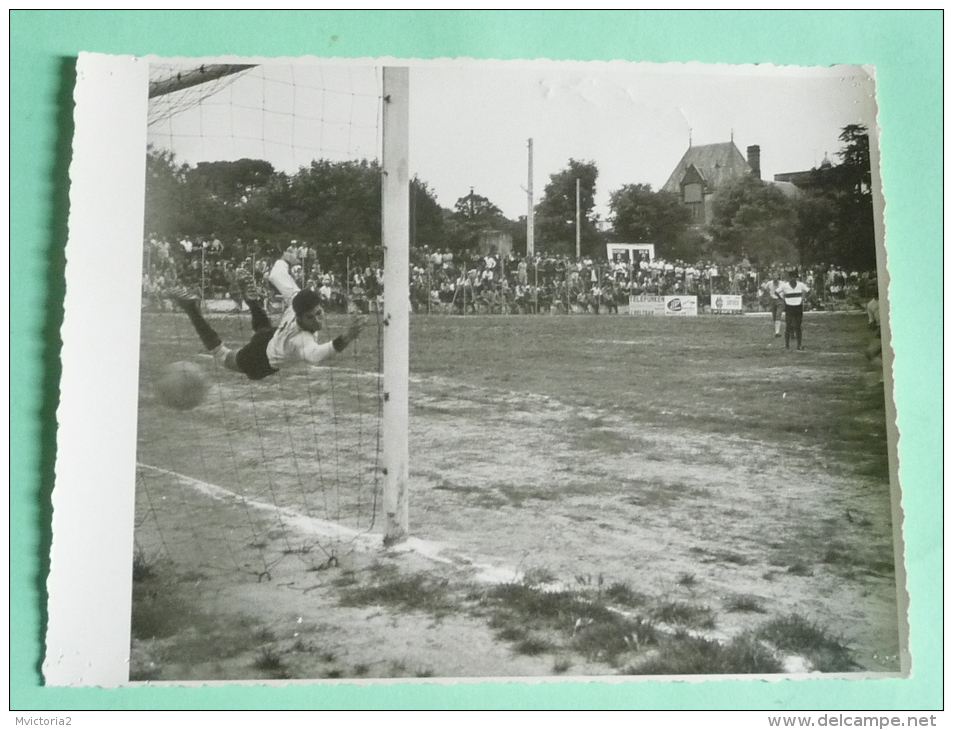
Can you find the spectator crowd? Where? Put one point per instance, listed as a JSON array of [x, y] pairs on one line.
[[442, 282]]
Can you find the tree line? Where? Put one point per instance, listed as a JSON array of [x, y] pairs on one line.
[[830, 221]]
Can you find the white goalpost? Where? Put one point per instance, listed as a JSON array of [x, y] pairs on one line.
[[396, 240]]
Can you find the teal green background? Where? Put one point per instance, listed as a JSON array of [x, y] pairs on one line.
[[905, 47]]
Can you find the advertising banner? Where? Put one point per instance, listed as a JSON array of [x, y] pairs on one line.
[[681, 306], [647, 306], [726, 304], [667, 306]]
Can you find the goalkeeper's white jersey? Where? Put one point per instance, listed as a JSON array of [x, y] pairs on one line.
[[290, 342]]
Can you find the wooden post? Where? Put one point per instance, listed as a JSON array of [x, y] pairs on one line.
[[395, 236], [530, 217], [578, 222], [202, 290], [535, 286]]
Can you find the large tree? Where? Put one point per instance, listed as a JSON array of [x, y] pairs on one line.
[[754, 220], [640, 215], [472, 215], [835, 219], [337, 205], [556, 211], [814, 229], [854, 241], [231, 198], [232, 182], [428, 224], [165, 194]]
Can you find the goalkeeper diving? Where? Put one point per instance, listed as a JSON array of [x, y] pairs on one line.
[[271, 348]]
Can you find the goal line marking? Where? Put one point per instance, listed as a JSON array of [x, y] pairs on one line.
[[366, 542], [301, 523]]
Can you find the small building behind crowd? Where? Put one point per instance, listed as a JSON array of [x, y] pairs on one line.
[[495, 242]]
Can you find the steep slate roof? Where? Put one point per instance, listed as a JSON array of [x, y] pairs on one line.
[[718, 164]]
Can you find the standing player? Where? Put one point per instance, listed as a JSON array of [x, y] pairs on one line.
[[793, 291], [270, 348], [770, 288]]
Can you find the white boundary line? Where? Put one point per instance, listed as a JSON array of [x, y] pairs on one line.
[[365, 542]]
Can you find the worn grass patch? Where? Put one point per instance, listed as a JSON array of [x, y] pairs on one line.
[[798, 635], [684, 654], [824, 546], [608, 640], [533, 646], [557, 608], [687, 580], [744, 603], [657, 493], [621, 594], [593, 436], [688, 615], [542, 621], [164, 609], [720, 556], [800, 568], [268, 660], [416, 592]]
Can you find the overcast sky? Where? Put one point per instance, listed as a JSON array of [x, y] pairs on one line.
[[470, 122]]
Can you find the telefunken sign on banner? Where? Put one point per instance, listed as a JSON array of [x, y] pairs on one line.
[[726, 304], [667, 306]]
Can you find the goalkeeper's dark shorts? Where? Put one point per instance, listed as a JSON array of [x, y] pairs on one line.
[[252, 359]]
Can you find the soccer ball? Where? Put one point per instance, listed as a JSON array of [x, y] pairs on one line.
[[182, 386]]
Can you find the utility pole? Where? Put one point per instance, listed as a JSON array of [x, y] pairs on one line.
[[578, 222], [530, 232]]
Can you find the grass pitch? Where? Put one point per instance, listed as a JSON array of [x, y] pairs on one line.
[[736, 488]]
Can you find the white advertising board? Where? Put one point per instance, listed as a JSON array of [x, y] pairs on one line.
[[726, 304], [631, 252], [681, 306], [663, 306]]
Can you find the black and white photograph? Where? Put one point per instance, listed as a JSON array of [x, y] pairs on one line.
[[536, 370]]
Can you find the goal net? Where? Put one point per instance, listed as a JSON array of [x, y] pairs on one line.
[[278, 478]]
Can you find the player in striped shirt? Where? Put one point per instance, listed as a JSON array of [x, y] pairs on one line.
[[793, 292]]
